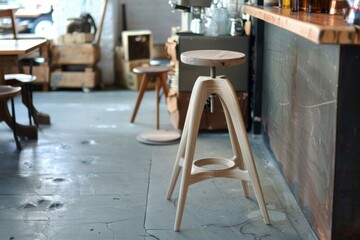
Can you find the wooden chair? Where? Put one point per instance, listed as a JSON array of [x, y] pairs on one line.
[[7, 92], [9, 13], [20, 79]]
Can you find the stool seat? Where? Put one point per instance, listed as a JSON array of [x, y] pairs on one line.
[[24, 78], [9, 91], [151, 70], [212, 58]]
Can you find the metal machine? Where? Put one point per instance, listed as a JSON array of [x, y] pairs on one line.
[[196, 8]]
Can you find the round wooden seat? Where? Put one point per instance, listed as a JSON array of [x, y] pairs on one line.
[[23, 78], [212, 58], [153, 70], [9, 91]]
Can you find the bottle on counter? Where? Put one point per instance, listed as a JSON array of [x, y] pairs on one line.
[[294, 5], [286, 4], [314, 6]]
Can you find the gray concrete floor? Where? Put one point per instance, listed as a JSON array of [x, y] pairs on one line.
[[87, 177]]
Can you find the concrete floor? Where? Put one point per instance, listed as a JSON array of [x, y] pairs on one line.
[[87, 177]]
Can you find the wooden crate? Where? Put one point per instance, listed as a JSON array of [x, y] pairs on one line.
[[131, 80], [71, 38], [137, 44], [75, 79], [71, 54], [42, 73]]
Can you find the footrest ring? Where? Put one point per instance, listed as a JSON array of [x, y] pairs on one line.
[[213, 164]]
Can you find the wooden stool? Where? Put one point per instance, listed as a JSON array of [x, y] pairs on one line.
[[158, 75], [241, 165], [9, 92], [24, 81]]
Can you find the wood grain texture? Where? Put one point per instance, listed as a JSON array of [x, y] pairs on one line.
[[20, 46], [212, 58], [299, 118], [317, 28]]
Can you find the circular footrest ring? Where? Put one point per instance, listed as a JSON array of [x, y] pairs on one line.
[[213, 164]]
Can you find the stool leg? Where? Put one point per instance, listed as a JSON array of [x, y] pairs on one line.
[[182, 146], [157, 96], [235, 146], [164, 84], [18, 145], [179, 157], [142, 90], [229, 97], [196, 104]]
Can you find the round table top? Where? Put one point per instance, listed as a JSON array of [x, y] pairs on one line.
[[151, 69], [212, 58], [9, 91]]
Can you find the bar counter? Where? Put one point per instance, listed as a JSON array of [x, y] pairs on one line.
[[318, 28], [308, 82]]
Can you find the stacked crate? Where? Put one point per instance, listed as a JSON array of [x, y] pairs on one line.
[[136, 51], [74, 64]]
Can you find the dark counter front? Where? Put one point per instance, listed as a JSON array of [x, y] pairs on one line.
[[311, 119]]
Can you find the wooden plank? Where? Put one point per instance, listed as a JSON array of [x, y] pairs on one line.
[[86, 79], [99, 30], [72, 38], [83, 54], [317, 27]]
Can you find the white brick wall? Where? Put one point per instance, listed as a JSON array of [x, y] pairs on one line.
[[155, 15]]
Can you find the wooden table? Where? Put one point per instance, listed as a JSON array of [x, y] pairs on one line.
[[11, 51]]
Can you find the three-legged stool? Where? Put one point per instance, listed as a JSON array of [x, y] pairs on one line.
[[241, 166], [158, 75]]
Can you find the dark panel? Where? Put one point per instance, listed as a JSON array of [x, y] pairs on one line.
[[238, 75], [212, 120], [346, 223], [256, 98], [299, 119]]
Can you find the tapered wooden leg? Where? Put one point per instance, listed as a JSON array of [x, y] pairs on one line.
[[142, 90], [18, 145], [157, 96], [235, 146], [229, 97], [193, 118]]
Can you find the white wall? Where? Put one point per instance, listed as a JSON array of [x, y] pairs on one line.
[[155, 15]]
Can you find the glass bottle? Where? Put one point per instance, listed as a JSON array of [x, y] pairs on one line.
[[303, 5], [314, 6], [285, 3], [294, 5]]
